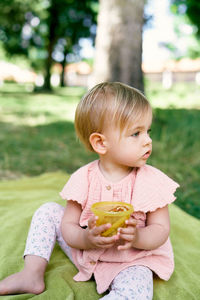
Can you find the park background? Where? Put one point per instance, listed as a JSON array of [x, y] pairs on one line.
[[51, 52]]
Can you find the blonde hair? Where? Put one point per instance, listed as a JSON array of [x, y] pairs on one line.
[[108, 103]]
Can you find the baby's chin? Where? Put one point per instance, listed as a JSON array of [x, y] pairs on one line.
[[140, 164]]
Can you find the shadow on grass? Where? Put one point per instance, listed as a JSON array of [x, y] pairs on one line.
[[35, 150], [176, 142]]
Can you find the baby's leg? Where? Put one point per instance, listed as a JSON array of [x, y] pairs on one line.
[[132, 283], [29, 280], [44, 229]]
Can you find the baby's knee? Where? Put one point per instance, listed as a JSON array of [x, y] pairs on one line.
[[49, 208]]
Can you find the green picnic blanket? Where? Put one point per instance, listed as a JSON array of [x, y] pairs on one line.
[[18, 201]]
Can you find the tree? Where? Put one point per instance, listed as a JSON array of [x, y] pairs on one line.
[[68, 21], [45, 30], [119, 42]]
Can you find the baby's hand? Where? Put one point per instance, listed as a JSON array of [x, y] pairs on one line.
[[128, 234], [94, 237]]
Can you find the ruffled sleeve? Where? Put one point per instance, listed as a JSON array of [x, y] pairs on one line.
[[152, 189], [76, 188]]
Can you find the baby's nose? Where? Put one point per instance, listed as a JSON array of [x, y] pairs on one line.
[[148, 139]]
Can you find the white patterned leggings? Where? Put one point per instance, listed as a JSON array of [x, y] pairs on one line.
[[132, 283]]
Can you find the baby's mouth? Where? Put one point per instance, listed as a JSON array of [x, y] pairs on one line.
[[147, 154]]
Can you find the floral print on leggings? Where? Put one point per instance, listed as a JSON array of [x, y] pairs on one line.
[[45, 229], [133, 283]]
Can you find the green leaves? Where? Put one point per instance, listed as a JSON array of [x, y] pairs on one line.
[[38, 26]]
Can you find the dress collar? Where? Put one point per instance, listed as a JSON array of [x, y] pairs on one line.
[[125, 179]]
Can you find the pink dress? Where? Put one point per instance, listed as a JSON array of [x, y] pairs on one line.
[[146, 189]]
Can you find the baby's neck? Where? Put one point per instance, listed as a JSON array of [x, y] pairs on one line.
[[112, 172]]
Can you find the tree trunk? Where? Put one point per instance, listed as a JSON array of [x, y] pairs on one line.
[[47, 79], [52, 22], [119, 42], [63, 64], [62, 75]]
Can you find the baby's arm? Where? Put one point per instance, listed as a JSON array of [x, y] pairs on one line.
[[85, 239], [150, 237]]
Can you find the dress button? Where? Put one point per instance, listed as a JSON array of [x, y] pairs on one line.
[[108, 187], [93, 262]]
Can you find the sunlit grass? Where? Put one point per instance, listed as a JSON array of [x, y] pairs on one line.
[[180, 95], [21, 107], [37, 135]]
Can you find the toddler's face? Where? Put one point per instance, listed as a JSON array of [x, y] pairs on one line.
[[133, 146]]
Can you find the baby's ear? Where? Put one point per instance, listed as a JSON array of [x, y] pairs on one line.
[[97, 141]]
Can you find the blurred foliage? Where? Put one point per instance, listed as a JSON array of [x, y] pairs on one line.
[[187, 27], [46, 31], [191, 8]]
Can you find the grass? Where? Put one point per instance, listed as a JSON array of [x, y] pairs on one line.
[[181, 95], [37, 135]]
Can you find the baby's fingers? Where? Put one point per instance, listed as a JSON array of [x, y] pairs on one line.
[[108, 240], [127, 234], [99, 229], [92, 222], [126, 246], [131, 222], [127, 237], [126, 231]]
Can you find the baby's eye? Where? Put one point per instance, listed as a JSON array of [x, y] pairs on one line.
[[135, 134]]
